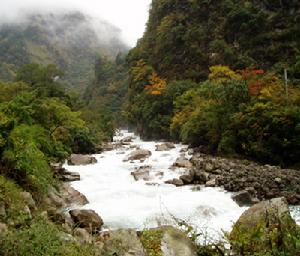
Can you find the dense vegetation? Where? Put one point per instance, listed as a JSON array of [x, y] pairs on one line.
[[40, 123], [210, 73], [106, 94]]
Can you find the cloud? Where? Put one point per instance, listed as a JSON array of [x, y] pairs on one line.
[[129, 15]]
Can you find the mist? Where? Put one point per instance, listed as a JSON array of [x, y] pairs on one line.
[[129, 16]]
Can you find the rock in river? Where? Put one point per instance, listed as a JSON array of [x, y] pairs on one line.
[[77, 159], [138, 155]]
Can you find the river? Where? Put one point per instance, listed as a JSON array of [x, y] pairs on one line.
[[123, 202]]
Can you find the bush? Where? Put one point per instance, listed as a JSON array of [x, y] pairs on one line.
[[42, 239], [11, 200]]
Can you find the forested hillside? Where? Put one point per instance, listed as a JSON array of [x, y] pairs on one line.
[[107, 92], [210, 73], [71, 40]]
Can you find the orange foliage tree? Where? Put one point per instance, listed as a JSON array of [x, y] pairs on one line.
[[157, 85]]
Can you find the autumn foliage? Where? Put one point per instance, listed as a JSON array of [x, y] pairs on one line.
[[157, 85]]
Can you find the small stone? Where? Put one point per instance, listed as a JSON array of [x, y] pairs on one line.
[[82, 235], [278, 180], [3, 228], [176, 182], [29, 200], [211, 183], [242, 198]]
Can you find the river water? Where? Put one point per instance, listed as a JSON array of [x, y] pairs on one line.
[[123, 202]]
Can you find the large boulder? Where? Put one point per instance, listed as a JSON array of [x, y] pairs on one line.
[[183, 162], [143, 173], [187, 178], [87, 219], [165, 146], [138, 155], [72, 196], [264, 228], [123, 242], [78, 159]]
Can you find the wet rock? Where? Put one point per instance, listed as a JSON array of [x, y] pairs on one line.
[[242, 198], [293, 199], [70, 177], [87, 219], [183, 163], [138, 155], [63, 174], [187, 178], [83, 236], [124, 243], [263, 227], [176, 182], [77, 159], [142, 174], [211, 183], [165, 146]]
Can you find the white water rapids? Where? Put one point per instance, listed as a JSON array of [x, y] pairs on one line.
[[123, 202]]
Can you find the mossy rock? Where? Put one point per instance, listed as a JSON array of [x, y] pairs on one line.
[[167, 241], [266, 227]]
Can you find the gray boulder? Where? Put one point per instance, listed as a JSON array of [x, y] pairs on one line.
[[165, 146], [176, 182], [242, 198], [82, 235], [78, 159], [183, 163], [265, 227], [87, 219], [124, 243], [142, 174], [138, 154]]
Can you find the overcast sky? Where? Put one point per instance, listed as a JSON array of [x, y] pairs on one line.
[[129, 15]]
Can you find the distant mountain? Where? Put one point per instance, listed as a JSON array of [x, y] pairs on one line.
[[73, 41]]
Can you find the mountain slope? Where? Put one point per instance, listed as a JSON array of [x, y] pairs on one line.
[[73, 41], [185, 37]]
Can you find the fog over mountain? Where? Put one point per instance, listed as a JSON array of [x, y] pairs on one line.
[[70, 39], [130, 16]]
